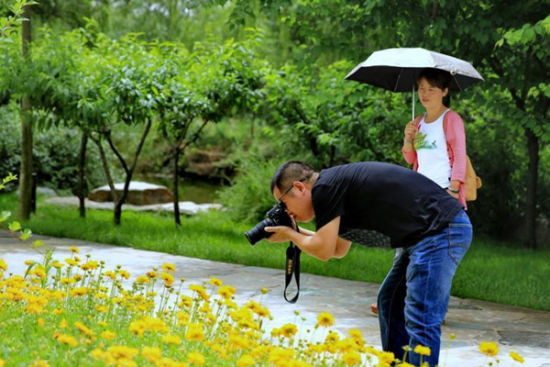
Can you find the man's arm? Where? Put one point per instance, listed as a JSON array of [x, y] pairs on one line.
[[323, 244]]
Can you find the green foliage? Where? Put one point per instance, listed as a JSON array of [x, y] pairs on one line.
[[16, 8], [248, 198], [334, 120], [55, 154]]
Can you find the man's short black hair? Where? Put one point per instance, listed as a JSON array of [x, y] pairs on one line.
[[289, 172]]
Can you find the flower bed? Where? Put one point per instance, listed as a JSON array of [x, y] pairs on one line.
[[77, 312]]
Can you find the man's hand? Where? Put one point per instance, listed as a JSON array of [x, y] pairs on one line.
[[280, 233]]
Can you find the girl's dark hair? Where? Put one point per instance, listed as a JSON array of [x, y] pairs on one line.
[[437, 78]]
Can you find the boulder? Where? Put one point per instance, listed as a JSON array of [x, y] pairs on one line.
[[139, 193]]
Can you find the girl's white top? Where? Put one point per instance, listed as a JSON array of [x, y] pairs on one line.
[[431, 149]]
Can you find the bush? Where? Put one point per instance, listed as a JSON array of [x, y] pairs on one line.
[[249, 197], [55, 154]]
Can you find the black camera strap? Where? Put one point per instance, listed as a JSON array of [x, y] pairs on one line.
[[292, 267]]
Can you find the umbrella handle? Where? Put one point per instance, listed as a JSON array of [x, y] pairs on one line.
[[412, 118]]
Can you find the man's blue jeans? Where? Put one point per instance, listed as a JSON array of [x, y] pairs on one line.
[[413, 299]]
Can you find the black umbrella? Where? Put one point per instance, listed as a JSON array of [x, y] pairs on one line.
[[396, 69]]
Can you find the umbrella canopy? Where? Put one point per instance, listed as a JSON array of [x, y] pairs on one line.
[[396, 69]]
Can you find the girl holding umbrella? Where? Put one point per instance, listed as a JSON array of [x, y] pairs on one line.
[[435, 143]]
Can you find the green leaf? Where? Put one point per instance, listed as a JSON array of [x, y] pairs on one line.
[[4, 215], [37, 243], [25, 234], [14, 226]]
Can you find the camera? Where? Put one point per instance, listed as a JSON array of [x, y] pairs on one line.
[[276, 216]]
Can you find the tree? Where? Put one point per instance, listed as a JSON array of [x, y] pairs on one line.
[[130, 93], [213, 83], [482, 32], [25, 176]]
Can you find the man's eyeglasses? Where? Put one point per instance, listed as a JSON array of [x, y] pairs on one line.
[[287, 191]]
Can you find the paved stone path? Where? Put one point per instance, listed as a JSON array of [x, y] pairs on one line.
[[522, 330]]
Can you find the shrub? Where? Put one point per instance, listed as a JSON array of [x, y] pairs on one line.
[[55, 154]]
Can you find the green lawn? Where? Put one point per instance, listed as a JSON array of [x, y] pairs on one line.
[[491, 270]]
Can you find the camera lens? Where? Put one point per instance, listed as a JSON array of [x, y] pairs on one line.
[[258, 233]]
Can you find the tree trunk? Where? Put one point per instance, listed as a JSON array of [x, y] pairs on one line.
[[25, 175], [108, 176], [82, 176], [532, 181], [176, 191], [128, 169]]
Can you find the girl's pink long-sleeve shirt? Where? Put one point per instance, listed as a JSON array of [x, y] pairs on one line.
[[453, 126]]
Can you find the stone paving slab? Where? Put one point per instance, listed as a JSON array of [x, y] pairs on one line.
[[522, 330]]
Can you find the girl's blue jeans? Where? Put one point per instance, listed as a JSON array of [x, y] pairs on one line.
[[413, 299]]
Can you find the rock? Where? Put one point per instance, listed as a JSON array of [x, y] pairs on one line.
[[139, 193]]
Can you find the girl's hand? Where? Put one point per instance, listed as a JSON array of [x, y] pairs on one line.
[[410, 130], [453, 194]]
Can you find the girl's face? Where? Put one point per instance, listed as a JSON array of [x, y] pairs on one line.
[[430, 96]]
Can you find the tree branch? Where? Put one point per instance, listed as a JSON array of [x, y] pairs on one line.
[[105, 167], [195, 137]]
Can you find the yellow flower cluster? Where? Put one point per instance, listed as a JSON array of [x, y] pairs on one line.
[[80, 311]]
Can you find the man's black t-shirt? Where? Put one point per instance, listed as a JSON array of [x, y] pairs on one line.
[[396, 201]]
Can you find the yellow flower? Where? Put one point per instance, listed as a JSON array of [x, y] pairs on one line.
[[123, 274], [216, 282], [84, 329], [263, 312], [142, 279], [422, 350], [168, 267], [171, 339], [101, 308], [39, 363], [489, 348], [195, 358], [355, 334], [71, 261], [110, 274], [2, 362], [81, 291], [200, 291], [246, 361], [288, 330], [405, 364], [108, 335], [74, 250], [3, 265], [516, 357], [194, 333], [386, 357], [332, 337], [122, 352], [90, 265], [325, 319], [226, 291], [151, 354], [168, 279], [151, 274], [186, 301], [264, 290], [66, 339], [351, 358]]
